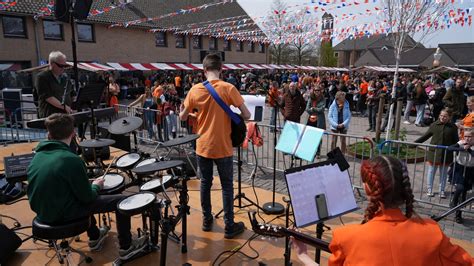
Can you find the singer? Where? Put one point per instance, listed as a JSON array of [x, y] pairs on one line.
[[53, 95]]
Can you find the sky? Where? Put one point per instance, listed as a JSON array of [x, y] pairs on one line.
[[456, 34]]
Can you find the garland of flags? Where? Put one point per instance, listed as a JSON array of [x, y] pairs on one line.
[[5, 4]]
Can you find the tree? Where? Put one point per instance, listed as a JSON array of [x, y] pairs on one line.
[[405, 18], [276, 20], [327, 57]]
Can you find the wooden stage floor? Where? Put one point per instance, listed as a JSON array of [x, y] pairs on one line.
[[203, 247]]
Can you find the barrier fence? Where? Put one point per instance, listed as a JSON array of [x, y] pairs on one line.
[[428, 166], [159, 127]]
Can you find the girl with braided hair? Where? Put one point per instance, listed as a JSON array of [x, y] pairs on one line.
[[388, 235]]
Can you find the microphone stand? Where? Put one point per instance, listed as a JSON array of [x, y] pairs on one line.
[[274, 207]]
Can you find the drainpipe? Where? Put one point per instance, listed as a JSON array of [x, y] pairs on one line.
[[37, 45]]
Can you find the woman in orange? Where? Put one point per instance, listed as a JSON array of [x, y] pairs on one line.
[[388, 235], [468, 121], [114, 91]]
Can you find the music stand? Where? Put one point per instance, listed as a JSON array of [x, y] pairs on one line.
[[308, 184], [90, 96]]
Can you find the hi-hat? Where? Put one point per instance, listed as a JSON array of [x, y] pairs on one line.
[[125, 125], [96, 143]]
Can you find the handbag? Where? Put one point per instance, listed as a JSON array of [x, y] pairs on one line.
[[238, 127]]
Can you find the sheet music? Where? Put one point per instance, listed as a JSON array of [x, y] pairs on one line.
[[304, 185], [252, 101], [309, 143], [290, 137]]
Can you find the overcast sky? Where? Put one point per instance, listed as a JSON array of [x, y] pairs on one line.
[[456, 34]]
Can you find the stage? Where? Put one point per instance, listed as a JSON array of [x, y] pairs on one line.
[[203, 247]]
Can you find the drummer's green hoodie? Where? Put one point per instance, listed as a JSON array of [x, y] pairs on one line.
[[58, 186]]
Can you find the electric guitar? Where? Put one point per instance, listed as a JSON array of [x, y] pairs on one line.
[[279, 231]]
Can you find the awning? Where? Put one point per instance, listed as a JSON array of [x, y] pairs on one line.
[[382, 69], [442, 69], [10, 67], [93, 67]]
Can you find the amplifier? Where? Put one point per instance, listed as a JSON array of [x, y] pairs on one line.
[[16, 167]]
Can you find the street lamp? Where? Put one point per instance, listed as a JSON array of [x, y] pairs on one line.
[[437, 56]]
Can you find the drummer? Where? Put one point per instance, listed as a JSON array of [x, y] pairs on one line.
[[59, 190]]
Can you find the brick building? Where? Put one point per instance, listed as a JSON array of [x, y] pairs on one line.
[[26, 41]]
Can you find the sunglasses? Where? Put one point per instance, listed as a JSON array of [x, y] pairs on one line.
[[61, 65]]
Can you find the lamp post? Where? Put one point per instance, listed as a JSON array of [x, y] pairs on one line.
[[437, 56]]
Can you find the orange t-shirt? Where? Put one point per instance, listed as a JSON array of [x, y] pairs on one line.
[[468, 121], [147, 83], [157, 92], [364, 88], [177, 81], [213, 123]]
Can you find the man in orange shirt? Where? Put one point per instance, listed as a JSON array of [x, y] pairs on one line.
[[361, 104], [215, 144]]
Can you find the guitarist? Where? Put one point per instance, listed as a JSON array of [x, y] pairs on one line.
[[388, 236], [215, 144]]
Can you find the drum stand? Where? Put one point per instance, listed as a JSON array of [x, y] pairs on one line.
[[169, 222]]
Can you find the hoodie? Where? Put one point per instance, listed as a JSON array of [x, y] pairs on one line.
[[58, 187]]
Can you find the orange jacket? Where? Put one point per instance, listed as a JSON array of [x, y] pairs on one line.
[[392, 239], [253, 135]]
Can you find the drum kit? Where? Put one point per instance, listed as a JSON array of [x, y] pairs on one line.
[[153, 176]]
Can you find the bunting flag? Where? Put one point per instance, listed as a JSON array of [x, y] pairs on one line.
[[5, 4], [48, 10]]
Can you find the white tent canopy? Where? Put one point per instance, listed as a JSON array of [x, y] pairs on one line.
[[383, 69], [442, 69]]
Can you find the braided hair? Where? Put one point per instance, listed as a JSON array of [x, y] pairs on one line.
[[388, 186]]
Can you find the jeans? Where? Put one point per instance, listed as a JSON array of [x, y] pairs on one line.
[[226, 175], [149, 122], [372, 115], [103, 204], [406, 115], [420, 114], [443, 175], [172, 124]]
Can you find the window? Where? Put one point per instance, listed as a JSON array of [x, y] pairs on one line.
[[336, 55], [14, 27], [53, 30], [227, 45], [180, 41], [160, 39], [85, 32], [240, 46], [212, 43], [197, 42], [261, 48], [251, 47]]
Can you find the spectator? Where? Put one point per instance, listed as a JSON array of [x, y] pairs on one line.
[[148, 107], [293, 104], [463, 170], [441, 132], [455, 99], [410, 92], [419, 101], [315, 109], [468, 121], [339, 118]]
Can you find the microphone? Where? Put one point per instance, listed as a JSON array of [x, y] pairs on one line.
[[63, 101]]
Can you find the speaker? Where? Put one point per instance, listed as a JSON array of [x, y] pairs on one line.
[[80, 11], [82, 8], [61, 10]]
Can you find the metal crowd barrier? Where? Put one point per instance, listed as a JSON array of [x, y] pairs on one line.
[[14, 129], [358, 149], [415, 155]]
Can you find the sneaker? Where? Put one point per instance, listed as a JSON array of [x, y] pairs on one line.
[[207, 224], [138, 245], [236, 229], [369, 129], [458, 220], [96, 245], [442, 195], [406, 122], [430, 193]]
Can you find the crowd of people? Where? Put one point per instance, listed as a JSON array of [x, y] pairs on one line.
[[408, 238]]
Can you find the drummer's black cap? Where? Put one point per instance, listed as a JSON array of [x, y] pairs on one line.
[[60, 126], [212, 62]]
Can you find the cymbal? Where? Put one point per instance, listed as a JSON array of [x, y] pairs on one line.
[[96, 143], [125, 125], [180, 140], [157, 166]]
